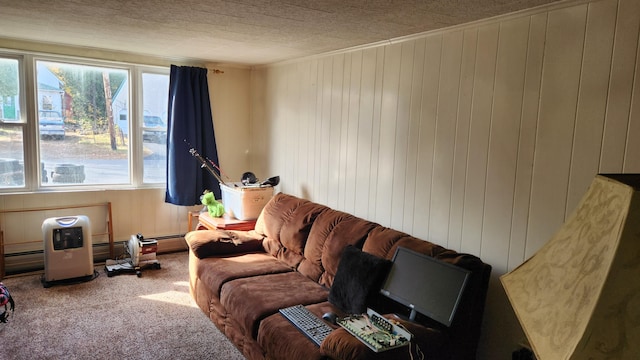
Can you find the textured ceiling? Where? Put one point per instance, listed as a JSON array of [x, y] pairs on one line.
[[247, 32]]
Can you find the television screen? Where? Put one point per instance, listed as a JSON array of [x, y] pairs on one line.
[[426, 285]]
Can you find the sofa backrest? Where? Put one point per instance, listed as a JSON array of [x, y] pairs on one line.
[[330, 234], [285, 222], [309, 237]]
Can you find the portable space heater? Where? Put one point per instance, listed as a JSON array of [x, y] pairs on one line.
[[68, 252]]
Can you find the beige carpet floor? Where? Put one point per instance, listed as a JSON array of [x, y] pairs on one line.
[[118, 317]]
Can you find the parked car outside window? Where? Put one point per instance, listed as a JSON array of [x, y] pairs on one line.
[[51, 125], [155, 130]]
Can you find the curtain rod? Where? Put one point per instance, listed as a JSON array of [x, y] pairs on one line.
[[216, 71]]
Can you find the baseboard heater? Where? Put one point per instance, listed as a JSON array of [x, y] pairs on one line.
[[27, 261]]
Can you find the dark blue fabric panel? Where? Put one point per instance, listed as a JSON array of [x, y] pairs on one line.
[[189, 125]]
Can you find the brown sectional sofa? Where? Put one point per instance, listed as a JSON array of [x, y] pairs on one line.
[[240, 279]]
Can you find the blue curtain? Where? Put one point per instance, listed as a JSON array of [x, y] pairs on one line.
[[189, 126]]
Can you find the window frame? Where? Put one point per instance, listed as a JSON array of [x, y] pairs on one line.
[[28, 102]]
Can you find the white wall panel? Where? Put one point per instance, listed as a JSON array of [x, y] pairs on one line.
[[365, 151], [231, 114], [445, 135], [632, 160], [335, 130], [620, 85], [461, 151], [346, 132], [133, 211], [481, 138], [480, 125], [526, 139], [558, 99], [592, 98], [323, 129], [293, 124], [300, 166], [411, 180], [388, 125], [503, 140], [311, 114], [403, 111], [352, 135], [376, 120], [427, 131]]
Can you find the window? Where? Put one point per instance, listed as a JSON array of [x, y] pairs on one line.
[[92, 124]]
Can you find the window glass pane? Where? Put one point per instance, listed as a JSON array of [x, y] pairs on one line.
[[11, 133], [79, 138], [9, 90], [155, 94], [11, 158]]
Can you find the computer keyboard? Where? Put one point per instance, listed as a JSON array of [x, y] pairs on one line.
[[309, 324]]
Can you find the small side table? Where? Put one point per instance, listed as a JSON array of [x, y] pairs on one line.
[[192, 214], [224, 222]]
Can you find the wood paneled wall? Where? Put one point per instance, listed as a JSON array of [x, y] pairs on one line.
[[481, 138]]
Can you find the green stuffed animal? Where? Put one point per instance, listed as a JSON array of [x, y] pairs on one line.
[[214, 207]]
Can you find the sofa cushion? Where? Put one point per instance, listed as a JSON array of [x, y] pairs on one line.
[[283, 341], [331, 232], [358, 279], [205, 243], [249, 300], [215, 271], [383, 241], [285, 222]]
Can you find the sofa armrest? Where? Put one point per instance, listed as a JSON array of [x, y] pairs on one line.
[[340, 344], [206, 243]]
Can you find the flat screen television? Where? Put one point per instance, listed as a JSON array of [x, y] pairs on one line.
[[426, 285]]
